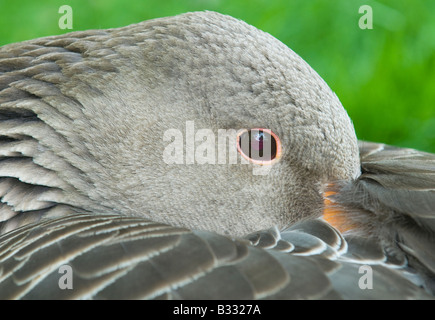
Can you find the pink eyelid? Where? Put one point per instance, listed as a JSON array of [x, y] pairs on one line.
[[261, 162]]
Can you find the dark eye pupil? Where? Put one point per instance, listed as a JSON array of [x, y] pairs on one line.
[[259, 136], [257, 142], [258, 145]]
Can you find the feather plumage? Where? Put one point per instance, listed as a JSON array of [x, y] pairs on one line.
[[63, 201]]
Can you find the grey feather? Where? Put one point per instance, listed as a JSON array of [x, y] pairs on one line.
[[115, 256], [393, 201]]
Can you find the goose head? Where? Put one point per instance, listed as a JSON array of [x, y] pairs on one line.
[[153, 113]]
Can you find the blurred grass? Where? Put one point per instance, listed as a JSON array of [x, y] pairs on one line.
[[384, 77]]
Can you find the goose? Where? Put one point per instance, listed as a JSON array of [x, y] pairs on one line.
[[115, 165]]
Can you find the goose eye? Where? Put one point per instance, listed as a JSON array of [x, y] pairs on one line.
[[260, 146]]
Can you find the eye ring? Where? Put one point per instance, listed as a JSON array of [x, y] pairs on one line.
[[259, 146]]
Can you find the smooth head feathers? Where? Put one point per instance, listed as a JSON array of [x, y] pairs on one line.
[[92, 108]]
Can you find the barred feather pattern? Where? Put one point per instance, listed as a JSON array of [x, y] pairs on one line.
[[116, 257], [393, 203], [39, 160]]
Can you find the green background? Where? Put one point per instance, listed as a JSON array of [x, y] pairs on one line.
[[385, 77]]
